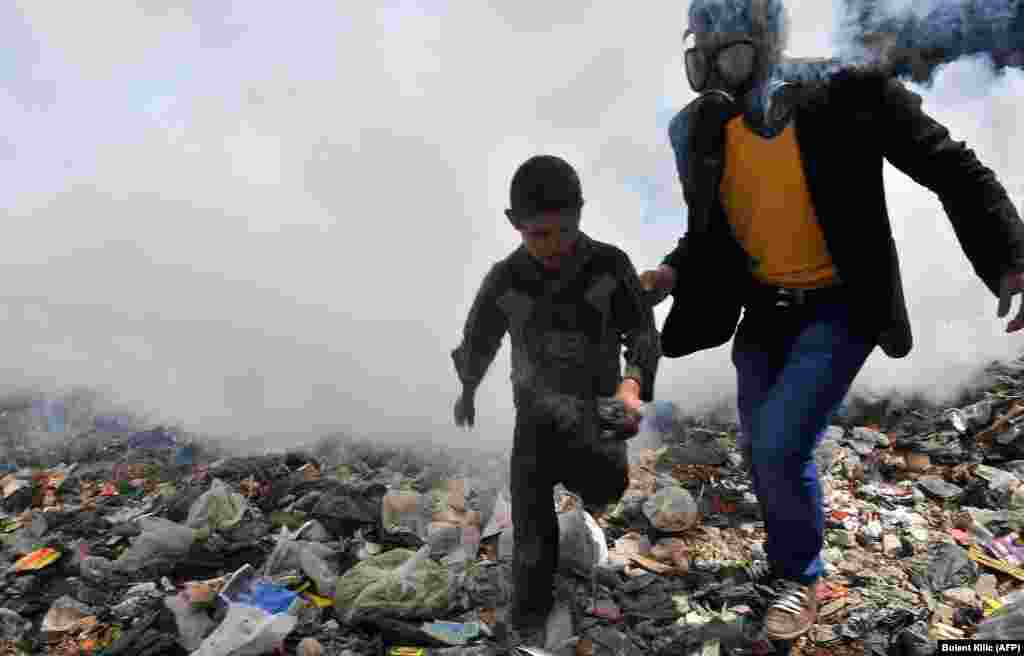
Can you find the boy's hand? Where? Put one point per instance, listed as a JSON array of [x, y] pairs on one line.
[[465, 410], [659, 282]]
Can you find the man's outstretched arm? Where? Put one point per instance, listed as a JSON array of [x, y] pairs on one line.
[[983, 216], [634, 318]]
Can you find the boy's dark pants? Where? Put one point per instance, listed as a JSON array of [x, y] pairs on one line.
[[544, 454]]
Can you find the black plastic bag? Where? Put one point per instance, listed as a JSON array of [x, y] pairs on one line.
[[948, 567]]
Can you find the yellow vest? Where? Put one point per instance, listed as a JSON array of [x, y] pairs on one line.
[[764, 193]]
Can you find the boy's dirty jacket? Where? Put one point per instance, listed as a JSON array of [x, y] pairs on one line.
[[568, 328]]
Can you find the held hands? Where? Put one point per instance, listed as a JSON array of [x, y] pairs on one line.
[[660, 282], [465, 410], [629, 394], [1011, 285]]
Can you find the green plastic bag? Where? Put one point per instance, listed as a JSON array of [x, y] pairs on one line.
[[397, 584]]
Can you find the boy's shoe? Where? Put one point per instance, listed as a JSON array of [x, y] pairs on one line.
[[793, 611]]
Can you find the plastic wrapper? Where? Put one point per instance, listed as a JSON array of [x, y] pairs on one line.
[[160, 540], [217, 508]]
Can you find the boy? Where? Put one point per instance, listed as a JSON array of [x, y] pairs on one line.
[[570, 303]]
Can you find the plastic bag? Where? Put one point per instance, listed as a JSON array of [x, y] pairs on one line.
[[272, 598], [96, 569], [598, 536], [161, 539], [578, 550], [12, 625], [310, 557], [64, 615], [397, 584], [409, 510], [948, 567], [501, 517], [672, 509], [997, 478], [247, 631], [30, 537], [217, 508], [315, 567], [487, 584], [443, 538], [193, 625]]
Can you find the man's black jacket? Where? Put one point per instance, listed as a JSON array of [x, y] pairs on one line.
[[845, 127]]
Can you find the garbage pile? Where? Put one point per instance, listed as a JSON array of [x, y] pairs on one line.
[[153, 545]]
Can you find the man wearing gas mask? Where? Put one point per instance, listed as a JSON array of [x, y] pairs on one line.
[[787, 222]]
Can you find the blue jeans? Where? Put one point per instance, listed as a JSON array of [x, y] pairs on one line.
[[794, 367]]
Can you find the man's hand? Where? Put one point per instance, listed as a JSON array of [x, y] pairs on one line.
[[629, 394], [465, 410], [660, 281], [1011, 285]]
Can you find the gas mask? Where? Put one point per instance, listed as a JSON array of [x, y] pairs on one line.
[[729, 73], [730, 67]]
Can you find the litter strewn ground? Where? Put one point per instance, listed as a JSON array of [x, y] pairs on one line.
[[150, 542]]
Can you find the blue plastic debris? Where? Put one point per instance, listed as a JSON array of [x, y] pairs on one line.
[[272, 598]]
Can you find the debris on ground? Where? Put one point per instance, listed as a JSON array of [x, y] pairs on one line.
[[149, 541]]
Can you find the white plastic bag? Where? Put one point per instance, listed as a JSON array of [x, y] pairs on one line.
[[578, 550], [161, 539], [501, 517], [310, 557], [597, 535], [316, 568], [247, 631]]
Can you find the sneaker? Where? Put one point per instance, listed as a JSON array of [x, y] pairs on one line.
[[793, 612]]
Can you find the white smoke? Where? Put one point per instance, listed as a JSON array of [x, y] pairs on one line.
[[262, 219]]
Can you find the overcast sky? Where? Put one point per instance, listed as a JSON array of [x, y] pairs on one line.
[[259, 217]]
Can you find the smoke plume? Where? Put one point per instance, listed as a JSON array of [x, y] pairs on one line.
[[269, 221]]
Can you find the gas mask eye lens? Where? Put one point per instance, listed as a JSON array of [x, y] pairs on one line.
[[729, 66], [696, 69], [736, 63]]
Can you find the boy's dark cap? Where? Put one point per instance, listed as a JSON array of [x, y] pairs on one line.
[[545, 183]]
